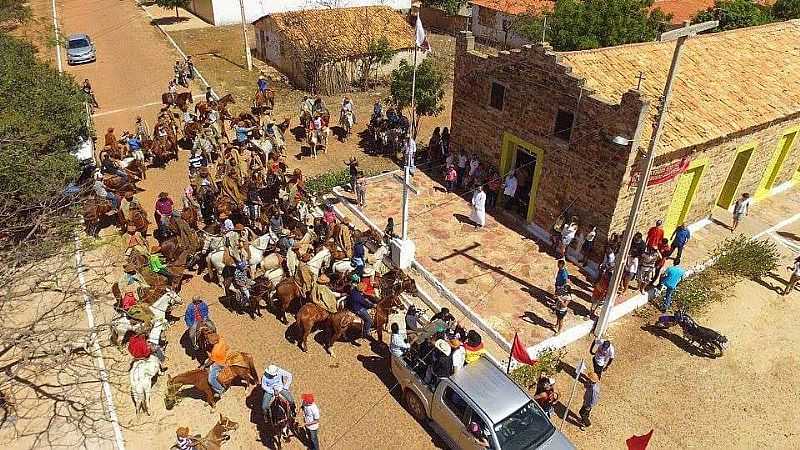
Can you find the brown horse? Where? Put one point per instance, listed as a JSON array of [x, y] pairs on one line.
[[118, 184], [214, 439], [260, 290], [137, 218], [163, 150], [263, 102], [95, 211], [191, 215], [287, 293], [341, 321], [199, 379], [308, 317], [180, 100]]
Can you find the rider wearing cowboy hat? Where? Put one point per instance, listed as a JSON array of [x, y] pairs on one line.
[[276, 381]]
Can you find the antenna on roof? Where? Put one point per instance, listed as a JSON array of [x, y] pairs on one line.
[[641, 78]]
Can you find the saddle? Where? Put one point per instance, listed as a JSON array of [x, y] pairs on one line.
[[233, 359]]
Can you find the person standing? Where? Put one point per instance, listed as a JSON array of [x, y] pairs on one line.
[[458, 354], [398, 343], [311, 417], [794, 277], [189, 68], [647, 267], [588, 246], [680, 237], [740, 208], [672, 276], [478, 216], [563, 299], [568, 231], [590, 398], [361, 190], [510, 190], [493, 186], [450, 178], [603, 355], [562, 275], [462, 168], [655, 234], [631, 269], [352, 167], [664, 250]]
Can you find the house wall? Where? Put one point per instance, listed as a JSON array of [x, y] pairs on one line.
[[718, 157], [435, 18], [586, 172], [227, 12], [203, 9], [487, 26]]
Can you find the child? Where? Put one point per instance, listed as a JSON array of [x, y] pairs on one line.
[[631, 268], [563, 299], [450, 178], [588, 245]]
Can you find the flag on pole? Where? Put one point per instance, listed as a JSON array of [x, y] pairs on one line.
[[422, 37], [520, 353], [639, 442]]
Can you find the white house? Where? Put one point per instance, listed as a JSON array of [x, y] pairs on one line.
[[226, 12], [493, 20]]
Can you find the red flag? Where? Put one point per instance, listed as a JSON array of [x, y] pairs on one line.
[[520, 353], [639, 442]]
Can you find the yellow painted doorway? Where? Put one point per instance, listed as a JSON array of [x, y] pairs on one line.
[[682, 196], [728, 192], [775, 164], [508, 161]]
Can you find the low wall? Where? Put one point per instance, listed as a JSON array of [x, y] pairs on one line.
[[434, 18]]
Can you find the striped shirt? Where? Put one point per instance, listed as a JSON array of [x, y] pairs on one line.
[[195, 162]]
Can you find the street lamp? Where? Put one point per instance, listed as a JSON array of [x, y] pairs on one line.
[[681, 35]]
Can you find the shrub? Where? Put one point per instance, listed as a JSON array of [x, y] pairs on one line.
[[324, 183], [698, 291], [743, 257], [548, 363]]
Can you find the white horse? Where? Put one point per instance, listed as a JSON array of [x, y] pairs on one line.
[[346, 121], [371, 259], [141, 378], [121, 326], [162, 305], [320, 261], [318, 138]]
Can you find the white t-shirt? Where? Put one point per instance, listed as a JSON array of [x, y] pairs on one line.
[[311, 414], [741, 206], [633, 265], [603, 357], [796, 269], [510, 186], [462, 161]]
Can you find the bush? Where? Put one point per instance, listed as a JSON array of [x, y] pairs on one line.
[[698, 291], [324, 183], [548, 363], [743, 257]]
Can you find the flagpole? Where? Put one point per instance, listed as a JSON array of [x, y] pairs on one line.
[[407, 169], [511, 353], [413, 96]]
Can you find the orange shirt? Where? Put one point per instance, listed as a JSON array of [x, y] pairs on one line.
[[219, 352]]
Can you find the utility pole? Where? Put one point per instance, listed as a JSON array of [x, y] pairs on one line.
[[681, 35], [244, 36]]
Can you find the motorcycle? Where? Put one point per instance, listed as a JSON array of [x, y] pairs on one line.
[[710, 342]]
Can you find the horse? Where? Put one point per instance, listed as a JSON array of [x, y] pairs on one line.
[[341, 321], [373, 258], [137, 218], [199, 379], [321, 260], [95, 210], [122, 326], [281, 420], [135, 166], [263, 102], [346, 121], [318, 138], [260, 290], [180, 100], [163, 150], [141, 378], [191, 130], [118, 184], [214, 439], [287, 293]]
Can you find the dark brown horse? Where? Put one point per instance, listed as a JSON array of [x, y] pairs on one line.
[[288, 295], [192, 216], [199, 379], [342, 321], [180, 100], [163, 150], [263, 102], [214, 439], [95, 213], [260, 291], [191, 130], [136, 217]]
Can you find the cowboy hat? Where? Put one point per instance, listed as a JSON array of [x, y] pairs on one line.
[[128, 267], [345, 219], [308, 398], [593, 378], [368, 272], [163, 195], [197, 299], [455, 343], [443, 346], [323, 279], [271, 370], [182, 432], [285, 231], [110, 129]]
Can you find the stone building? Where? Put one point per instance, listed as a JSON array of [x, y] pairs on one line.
[[325, 51], [731, 128], [493, 21]]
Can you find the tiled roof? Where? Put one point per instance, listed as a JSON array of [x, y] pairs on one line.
[[726, 81], [343, 32], [682, 10], [515, 7]]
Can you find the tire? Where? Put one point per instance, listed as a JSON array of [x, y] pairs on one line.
[[713, 349], [415, 406]]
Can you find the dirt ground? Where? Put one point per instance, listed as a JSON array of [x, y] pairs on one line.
[[746, 399]]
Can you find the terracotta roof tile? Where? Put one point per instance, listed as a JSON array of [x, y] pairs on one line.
[[515, 7], [343, 32], [682, 10], [726, 81]]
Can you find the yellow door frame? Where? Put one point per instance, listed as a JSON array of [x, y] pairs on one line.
[[702, 164], [507, 157], [746, 147], [776, 161]]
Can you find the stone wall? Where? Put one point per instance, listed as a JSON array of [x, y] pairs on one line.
[[436, 19], [588, 171]]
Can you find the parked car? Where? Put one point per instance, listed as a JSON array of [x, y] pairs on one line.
[[80, 49], [480, 393]]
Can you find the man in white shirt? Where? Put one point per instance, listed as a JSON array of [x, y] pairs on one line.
[[510, 190], [410, 149], [604, 355], [311, 417], [276, 381], [794, 277], [740, 208]]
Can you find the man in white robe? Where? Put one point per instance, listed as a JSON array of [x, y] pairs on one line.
[[478, 215]]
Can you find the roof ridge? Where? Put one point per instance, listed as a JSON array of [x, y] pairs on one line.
[[717, 35], [329, 10]]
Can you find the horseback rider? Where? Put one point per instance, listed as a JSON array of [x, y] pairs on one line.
[[136, 242], [180, 73], [134, 145], [358, 260], [142, 129], [242, 280], [211, 97], [377, 111], [172, 90], [233, 239], [87, 89], [196, 313], [347, 108], [184, 441], [276, 381], [140, 348], [216, 362], [101, 192], [189, 68], [263, 84], [130, 282], [360, 305]]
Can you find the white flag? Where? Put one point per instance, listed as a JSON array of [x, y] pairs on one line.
[[422, 37]]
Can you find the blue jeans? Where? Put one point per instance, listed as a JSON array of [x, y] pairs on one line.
[[313, 436], [212, 378], [267, 399], [667, 302], [114, 199], [365, 317]]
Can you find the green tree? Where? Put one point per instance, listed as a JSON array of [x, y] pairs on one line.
[[786, 9], [587, 24], [379, 52], [451, 7], [169, 4], [429, 91], [733, 14]]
